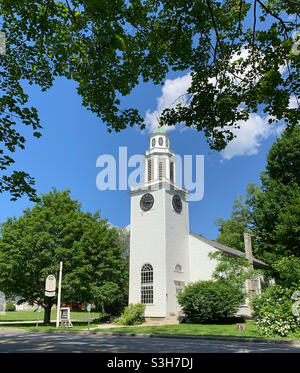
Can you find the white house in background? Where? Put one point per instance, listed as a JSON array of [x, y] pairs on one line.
[[164, 255]]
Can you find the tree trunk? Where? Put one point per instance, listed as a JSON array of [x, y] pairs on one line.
[[47, 314], [102, 309]]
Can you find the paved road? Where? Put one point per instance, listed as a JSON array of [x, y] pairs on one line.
[[19, 341]]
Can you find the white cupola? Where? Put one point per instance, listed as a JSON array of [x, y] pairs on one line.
[[159, 159]]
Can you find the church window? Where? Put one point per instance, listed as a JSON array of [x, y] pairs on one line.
[[147, 284], [178, 268], [172, 171], [160, 141], [150, 170], [160, 171]]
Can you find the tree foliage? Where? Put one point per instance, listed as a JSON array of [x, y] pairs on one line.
[[231, 231], [272, 212], [276, 217], [10, 307], [124, 239], [55, 230], [236, 51], [234, 271]]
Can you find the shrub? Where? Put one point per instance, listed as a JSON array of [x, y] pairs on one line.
[[273, 312], [208, 301], [10, 307], [132, 315]]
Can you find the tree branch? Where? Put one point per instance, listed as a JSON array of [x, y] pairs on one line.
[[275, 16], [215, 26]]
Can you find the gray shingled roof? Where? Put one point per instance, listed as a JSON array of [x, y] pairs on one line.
[[229, 250]]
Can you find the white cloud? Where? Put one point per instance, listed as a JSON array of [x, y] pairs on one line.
[[251, 133], [173, 92], [294, 102], [250, 136], [283, 69]]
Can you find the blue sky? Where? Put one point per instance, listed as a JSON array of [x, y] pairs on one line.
[[73, 138]]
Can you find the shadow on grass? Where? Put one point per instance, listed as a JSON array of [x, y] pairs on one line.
[[227, 321], [77, 325], [31, 316]]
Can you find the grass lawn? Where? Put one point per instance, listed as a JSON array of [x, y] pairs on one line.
[[45, 328], [221, 330], [32, 316]]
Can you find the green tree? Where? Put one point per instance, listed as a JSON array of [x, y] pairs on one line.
[[124, 239], [231, 231], [276, 217], [272, 212], [55, 230], [234, 271], [236, 51]]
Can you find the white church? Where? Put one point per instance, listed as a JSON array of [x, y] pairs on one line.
[[164, 255]]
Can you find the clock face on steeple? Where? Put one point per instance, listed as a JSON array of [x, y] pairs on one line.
[[177, 203], [147, 201]]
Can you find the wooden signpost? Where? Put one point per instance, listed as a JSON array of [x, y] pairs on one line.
[[39, 310], [59, 294], [89, 311], [65, 317]]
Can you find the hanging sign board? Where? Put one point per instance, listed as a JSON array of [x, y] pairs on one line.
[[50, 286]]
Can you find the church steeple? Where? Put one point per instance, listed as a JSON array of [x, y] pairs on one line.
[[159, 233], [159, 159]]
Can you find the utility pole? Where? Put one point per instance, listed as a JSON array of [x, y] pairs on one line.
[[59, 294]]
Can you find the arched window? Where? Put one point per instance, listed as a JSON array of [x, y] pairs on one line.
[[178, 268], [147, 284]]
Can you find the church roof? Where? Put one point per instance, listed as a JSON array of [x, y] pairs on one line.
[[229, 250]]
